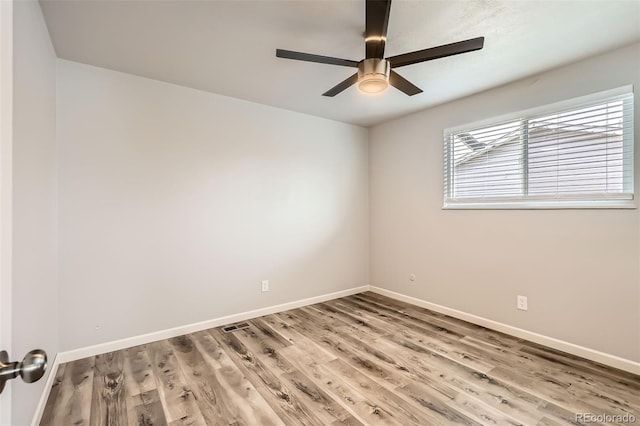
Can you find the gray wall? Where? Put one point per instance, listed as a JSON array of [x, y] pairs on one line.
[[176, 203], [35, 237], [579, 268]]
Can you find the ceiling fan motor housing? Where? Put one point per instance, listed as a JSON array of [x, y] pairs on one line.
[[373, 75]]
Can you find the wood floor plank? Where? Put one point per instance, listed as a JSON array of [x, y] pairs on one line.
[[558, 414], [372, 362], [501, 394], [266, 329], [625, 379], [330, 321], [211, 397], [445, 372], [493, 354], [108, 403], [211, 350], [333, 341], [402, 378], [445, 321], [301, 341], [363, 359], [483, 413], [141, 394], [396, 308], [73, 404], [557, 394], [497, 395], [583, 375], [380, 395], [599, 393], [389, 315], [252, 407], [392, 370], [264, 347], [47, 415], [176, 396], [546, 421], [434, 406], [427, 340], [278, 394], [328, 410], [418, 344], [284, 326], [444, 343], [145, 409], [138, 371], [369, 328], [363, 409]]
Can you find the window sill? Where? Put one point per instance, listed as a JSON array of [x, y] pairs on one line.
[[541, 205]]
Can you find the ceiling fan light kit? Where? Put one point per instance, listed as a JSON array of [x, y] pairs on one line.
[[375, 73]]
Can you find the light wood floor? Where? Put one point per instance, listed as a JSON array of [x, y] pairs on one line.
[[362, 359]]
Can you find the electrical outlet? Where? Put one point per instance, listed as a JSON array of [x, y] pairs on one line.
[[265, 285], [521, 303]]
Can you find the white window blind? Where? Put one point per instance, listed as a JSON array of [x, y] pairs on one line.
[[574, 154]]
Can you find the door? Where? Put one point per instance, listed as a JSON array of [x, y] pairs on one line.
[[6, 82]]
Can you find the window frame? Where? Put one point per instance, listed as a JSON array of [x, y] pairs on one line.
[[597, 201]]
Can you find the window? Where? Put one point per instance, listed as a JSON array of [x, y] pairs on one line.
[[572, 154]]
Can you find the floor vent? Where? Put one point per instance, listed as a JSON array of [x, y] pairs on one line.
[[231, 328]]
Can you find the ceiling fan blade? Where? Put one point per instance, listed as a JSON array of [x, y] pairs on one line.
[[402, 84], [437, 52], [341, 86], [377, 21], [299, 56]]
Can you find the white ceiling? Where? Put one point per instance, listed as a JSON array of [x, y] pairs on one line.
[[228, 47]]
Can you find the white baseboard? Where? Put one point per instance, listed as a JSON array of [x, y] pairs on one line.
[[53, 371], [102, 348], [591, 354], [203, 325]]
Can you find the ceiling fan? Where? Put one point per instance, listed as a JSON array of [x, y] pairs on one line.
[[375, 73]]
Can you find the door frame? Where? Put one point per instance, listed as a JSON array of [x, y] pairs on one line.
[[6, 195]]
